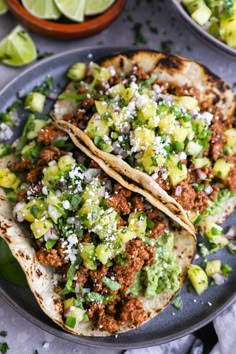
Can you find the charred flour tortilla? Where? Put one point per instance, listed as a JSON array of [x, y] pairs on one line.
[[57, 222], [165, 122]]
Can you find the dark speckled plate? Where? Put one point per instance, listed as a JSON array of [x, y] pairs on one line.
[[171, 323]]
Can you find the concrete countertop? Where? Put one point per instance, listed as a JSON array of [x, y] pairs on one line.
[[160, 26]]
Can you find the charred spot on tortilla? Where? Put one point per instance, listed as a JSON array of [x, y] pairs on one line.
[[171, 62]]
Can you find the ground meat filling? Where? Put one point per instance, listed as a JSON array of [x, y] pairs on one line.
[[121, 309]]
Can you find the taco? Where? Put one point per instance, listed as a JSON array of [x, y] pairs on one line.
[[99, 256], [166, 122]]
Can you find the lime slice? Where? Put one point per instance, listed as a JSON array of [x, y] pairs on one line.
[[96, 7], [17, 48], [42, 8], [72, 9], [3, 7]]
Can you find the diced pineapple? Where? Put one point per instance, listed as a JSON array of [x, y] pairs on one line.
[[179, 134], [214, 234], [97, 127], [106, 225], [117, 90], [143, 138], [102, 107], [118, 120], [137, 222], [93, 193], [33, 210], [201, 162], [198, 278], [89, 214], [77, 71], [103, 253], [37, 124], [99, 73], [87, 253], [187, 102], [66, 162], [176, 170], [40, 227], [193, 148], [124, 234], [166, 123], [127, 94], [147, 114], [213, 267], [8, 179], [150, 160], [51, 174], [35, 102], [221, 168], [231, 139]]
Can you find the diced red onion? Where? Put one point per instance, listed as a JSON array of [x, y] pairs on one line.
[[132, 137], [58, 193], [219, 278], [91, 173], [50, 234], [201, 174], [67, 311], [97, 118], [107, 139], [61, 183], [88, 69], [116, 110], [118, 150], [178, 191], [125, 127], [108, 186], [232, 246], [82, 124], [230, 233], [112, 70], [208, 189], [53, 95], [73, 221]]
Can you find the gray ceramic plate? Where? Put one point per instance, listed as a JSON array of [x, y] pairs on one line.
[[200, 31], [171, 323]]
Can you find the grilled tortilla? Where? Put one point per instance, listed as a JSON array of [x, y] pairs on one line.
[[164, 121], [52, 225]]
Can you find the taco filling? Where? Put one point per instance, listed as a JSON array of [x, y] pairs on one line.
[[116, 260], [157, 117]]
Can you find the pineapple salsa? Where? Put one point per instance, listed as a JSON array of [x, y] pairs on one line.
[[100, 238], [186, 146]]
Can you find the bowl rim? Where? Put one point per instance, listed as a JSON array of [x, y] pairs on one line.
[[207, 36], [90, 26]]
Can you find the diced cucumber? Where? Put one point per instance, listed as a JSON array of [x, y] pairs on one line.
[[213, 267], [77, 71], [221, 168], [198, 278], [35, 102]]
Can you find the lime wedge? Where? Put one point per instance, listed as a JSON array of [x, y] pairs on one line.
[[96, 7], [42, 8], [17, 48], [72, 9], [3, 7]]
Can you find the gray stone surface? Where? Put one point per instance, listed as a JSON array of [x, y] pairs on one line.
[[159, 24]]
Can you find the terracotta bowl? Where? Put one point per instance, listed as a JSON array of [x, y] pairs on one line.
[[58, 30]]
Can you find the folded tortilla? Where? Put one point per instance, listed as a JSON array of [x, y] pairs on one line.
[[176, 72], [40, 278]]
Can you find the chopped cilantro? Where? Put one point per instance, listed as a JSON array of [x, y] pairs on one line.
[[177, 302], [166, 46], [3, 333], [226, 269], [50, 243], [34, 210], [4, 348], [138, 35]]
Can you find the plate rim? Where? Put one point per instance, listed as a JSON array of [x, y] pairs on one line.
[[58, 332]]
